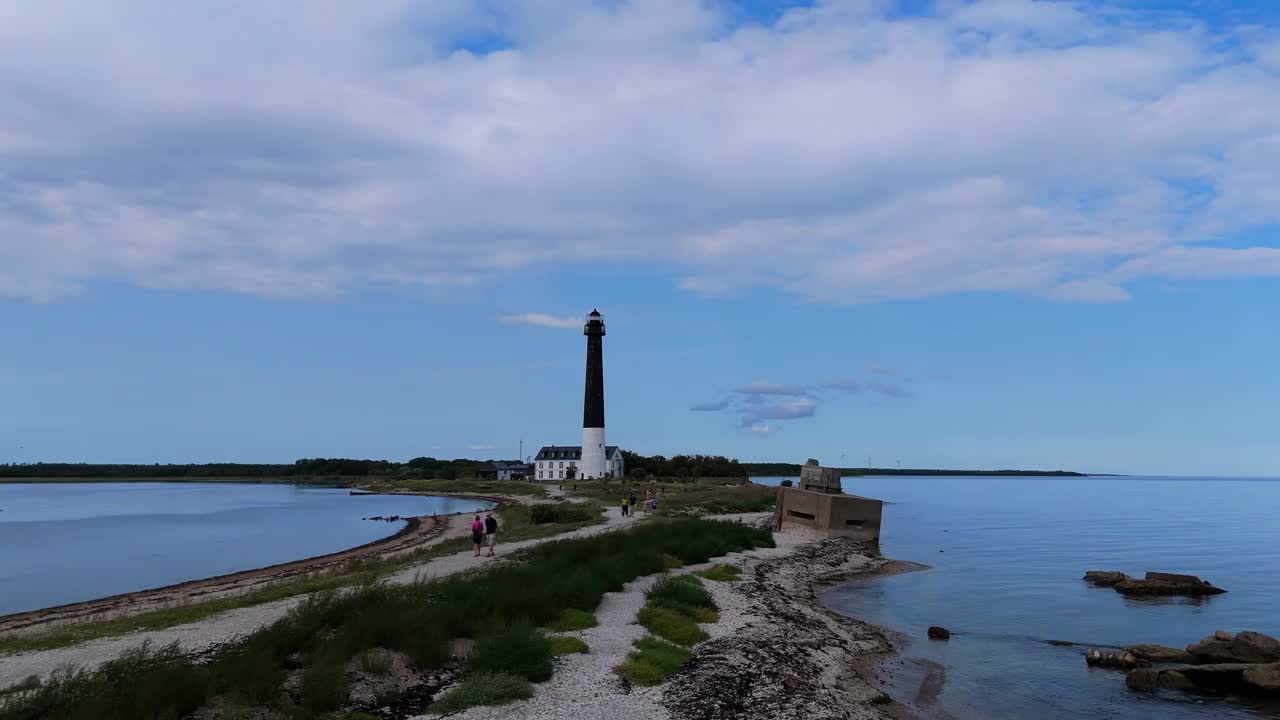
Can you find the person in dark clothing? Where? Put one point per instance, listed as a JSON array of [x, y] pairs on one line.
[[631, 501], [490, 531]]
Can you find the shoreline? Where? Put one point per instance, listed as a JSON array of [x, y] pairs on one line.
[[418, 532], [792, 657], [776, 652]]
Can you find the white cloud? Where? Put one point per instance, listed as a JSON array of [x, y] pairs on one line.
[[542, 320], [761, 429], [844, 153], [761, 387], [481, 446]]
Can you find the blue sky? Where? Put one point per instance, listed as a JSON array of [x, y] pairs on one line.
[[968, 234]]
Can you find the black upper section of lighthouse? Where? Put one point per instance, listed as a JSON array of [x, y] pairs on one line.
[[593, 401]]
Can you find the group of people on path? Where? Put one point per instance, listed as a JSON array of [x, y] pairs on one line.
[[628, 505], [484, 533]]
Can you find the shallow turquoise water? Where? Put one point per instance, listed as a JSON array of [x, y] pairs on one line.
[[68, 542], [1007, 555]]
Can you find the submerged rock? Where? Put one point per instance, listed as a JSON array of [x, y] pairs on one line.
[[1104, 578], [1114, 658], [1245, 647], [939, 633], [1167, 584], [1159, 653]]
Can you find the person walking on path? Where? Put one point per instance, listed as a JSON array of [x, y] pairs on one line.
[[631, 505], [477, 534], [623, 508], [490, 530]]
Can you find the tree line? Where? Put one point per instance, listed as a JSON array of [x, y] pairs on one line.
[[422, 467], [682, 466]]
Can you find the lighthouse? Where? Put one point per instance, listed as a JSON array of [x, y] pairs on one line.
[[593, 447]]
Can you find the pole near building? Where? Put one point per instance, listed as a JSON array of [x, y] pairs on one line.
[[593, 453]]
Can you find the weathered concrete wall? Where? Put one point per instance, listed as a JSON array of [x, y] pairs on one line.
[[827, 515], [819, 479]]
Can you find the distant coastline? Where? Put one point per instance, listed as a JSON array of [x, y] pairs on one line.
[[789, 469]]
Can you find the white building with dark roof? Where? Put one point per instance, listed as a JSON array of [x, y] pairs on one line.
[[561, 462]]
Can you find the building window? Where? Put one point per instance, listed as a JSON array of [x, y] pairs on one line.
[[539, 474], [561, 463], [561, 474]]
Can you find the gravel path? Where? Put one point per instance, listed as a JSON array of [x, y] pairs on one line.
[[227, 626], [585, 687]]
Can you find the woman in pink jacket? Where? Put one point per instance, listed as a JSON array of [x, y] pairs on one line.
[[477, 534]]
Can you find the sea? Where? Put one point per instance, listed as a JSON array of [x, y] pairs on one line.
[[69, 542], [1006, 556]]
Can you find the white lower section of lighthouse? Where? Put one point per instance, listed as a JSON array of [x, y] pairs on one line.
[[592, 465]]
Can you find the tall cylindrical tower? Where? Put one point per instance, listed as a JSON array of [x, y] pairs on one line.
[[593, 455]]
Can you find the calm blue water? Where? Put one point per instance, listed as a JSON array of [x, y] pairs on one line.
[[63, 543], [1007, 555]]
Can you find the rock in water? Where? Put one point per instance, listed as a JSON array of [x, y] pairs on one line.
[[1264, 677], [1159, 653], [1245, 647], [1114, 658], [1157, 583], [1144, 680], [1104, 578], [939, 633]]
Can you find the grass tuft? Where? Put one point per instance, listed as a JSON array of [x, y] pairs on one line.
[[567, 645], [653, 661], [516, 649], [571, 619], [670, 562], [685, 595], [483, 689], [671, 625], [721, 573]]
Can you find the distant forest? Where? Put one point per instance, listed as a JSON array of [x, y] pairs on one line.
[[423, 467], [683, 466], [793, 470]]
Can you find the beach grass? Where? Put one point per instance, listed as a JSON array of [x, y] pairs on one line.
[[721, 573], [516, 649], [653, 661], [683, 594], [499, 606], [671, 625], [571, 619], [484, 689], [567, 645]]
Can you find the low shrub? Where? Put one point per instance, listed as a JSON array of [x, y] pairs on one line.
[[670, 562], [516, 649], [671, 625], [483, 689], [787, 483], [324, 685], [721, 573], [571, 619], [564, 512], [567, 645]]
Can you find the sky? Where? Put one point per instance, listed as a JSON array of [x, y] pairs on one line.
[[951, 233]]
